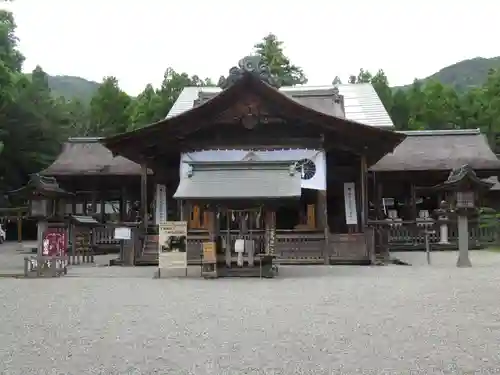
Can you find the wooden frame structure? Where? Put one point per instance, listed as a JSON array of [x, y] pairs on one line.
[[252, 115], [422, 161]]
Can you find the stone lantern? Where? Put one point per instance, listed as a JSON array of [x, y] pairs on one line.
[[464, 188], [442, 215], [46, 203]]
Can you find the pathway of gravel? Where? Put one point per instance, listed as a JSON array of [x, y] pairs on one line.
[[311, 320]]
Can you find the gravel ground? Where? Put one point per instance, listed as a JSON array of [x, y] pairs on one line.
[[311, 320]]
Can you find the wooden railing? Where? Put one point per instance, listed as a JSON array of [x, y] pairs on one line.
[[104, 236], [408, 235], [307, 247], [304, 247]]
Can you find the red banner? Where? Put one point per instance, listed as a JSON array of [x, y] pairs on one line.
[[54, 242]]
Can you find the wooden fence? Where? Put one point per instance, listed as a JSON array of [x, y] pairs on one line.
[[410, 235]]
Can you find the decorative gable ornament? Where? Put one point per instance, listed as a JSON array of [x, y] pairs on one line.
[[307, 168], [250, 64]]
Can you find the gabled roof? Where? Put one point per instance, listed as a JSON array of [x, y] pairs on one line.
[[375, 142], [87, 156], [463, 177], [361, 101], [40, 186], [440, 150]]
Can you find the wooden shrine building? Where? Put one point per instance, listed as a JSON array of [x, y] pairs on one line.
[[238, 132], [317, 163]]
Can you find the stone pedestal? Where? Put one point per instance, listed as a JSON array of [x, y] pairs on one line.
[[463, 242]]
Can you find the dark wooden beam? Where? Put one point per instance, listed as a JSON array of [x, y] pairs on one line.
[[144, 196], [253, 143], [364, 192]]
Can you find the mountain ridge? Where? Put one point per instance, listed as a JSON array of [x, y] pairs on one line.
[[462, 75]]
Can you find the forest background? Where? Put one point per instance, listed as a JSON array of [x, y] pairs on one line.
[[39, 112]]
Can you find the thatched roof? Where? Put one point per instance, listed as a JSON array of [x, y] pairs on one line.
[[87, 156], [440, 150]]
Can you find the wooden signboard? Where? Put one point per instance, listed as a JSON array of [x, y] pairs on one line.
[[82, 240], [209, 255], [172, 245]]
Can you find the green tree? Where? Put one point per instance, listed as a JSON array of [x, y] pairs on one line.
[[10, 56], [109, 109], [271, 51], [433, 106], [147, 108], [381, 85], [74, 117], [484, 112], [29, 132], [364, 76], [400, 110]]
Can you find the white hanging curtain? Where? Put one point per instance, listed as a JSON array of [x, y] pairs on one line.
[[310, 163]]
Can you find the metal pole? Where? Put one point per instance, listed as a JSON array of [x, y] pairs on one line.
[[427, 247], [19, 223]]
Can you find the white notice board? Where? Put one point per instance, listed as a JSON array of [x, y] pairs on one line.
[[351, 213], [123, 233], [172, 245]]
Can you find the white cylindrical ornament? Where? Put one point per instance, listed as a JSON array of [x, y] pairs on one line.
[[443, 232]]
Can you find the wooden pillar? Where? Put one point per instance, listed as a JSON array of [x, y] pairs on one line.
[[130, 248], [94, 202], [19, 227], [378, 197], [103, 208], [185, 214], [364, 198], [195, 216], [212, 227], [228, 238], [123, 204], [270, 224], [323, 223], [209, 258], [144, 195], [413, 200]]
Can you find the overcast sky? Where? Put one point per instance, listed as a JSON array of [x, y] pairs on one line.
[[137, 40]]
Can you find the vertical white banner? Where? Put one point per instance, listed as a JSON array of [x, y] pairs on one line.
[[160, 204], [351, 213]]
